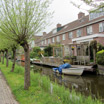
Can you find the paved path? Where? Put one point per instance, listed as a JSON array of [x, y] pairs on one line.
[[6, 96]]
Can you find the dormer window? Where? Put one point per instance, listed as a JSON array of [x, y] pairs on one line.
[[96, 13], [65, 27], [54, 31]]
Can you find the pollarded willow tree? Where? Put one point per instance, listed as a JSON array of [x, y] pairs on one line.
[[20, 20], [5, 46]]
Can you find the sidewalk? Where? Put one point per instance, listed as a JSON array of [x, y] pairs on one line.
[[6, 96]]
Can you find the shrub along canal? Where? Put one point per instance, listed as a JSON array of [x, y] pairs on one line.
[[87, 84]]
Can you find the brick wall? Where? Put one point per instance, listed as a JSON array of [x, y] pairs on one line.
[[95, 28], [100, 40]]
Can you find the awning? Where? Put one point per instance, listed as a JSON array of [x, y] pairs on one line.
[[87, 38]]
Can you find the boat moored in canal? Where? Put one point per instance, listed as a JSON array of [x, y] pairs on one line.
[[72, 71]]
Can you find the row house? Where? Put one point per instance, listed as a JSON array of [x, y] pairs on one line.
[[77, 33]]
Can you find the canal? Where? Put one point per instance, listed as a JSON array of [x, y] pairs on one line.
[[87, 84]]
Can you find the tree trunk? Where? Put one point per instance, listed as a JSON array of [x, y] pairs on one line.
[[94, 56], [14, 59], [7, 60], [3, 58], [27, 66], [0, 56]]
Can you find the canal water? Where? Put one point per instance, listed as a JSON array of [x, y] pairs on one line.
[[86, 84]]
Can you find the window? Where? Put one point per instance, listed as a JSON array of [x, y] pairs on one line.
[[101, 27], [58, 38], [32, 44], [63, 37], [96, 14], [54, 31], [48, 41], [45, 41], [89, 30], [79, 33], [70, 35], [53, 39], [42, 43]]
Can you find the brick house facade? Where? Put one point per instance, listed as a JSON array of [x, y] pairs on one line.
[[83, 30]]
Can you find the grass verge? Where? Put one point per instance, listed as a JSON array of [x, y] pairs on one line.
[[42, 90]]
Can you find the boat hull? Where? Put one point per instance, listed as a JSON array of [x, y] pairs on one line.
[[72, 71]]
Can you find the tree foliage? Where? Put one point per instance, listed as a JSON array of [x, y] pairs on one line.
[[100, 57], [35, 53], [92, 4], [20, 20]]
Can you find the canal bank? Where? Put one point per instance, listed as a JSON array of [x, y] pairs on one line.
[[87, 84], [101, 69], [42, 90]]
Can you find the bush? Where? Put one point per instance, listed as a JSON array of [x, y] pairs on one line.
[[100, 57], [100, 47], [35, 53], [48, 51]]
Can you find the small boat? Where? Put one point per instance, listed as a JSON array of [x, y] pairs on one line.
[[72, 71]]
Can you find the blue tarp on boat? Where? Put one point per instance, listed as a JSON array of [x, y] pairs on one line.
[[63, 66]]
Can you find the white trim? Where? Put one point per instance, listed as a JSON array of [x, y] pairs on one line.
[[87, 38], [63, 37], [53, 39]]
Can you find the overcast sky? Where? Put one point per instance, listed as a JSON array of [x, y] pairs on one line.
[[64, 12]]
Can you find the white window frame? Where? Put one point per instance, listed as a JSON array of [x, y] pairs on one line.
[[42, 42], [53, 40], [63, 37], [48, 41], [101, 27], [58, 38], [54, 31], [45, 41], [97, 14], [70, 35], [79, 33], [89, 30]]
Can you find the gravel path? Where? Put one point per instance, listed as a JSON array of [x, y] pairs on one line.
[[6, 97]]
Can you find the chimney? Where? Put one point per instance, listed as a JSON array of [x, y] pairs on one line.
[[44, 33], [58, 25], [80, 15]]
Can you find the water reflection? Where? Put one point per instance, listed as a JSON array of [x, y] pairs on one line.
[[87, 84]]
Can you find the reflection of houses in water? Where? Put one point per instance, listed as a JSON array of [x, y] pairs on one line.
[[87, 85]]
